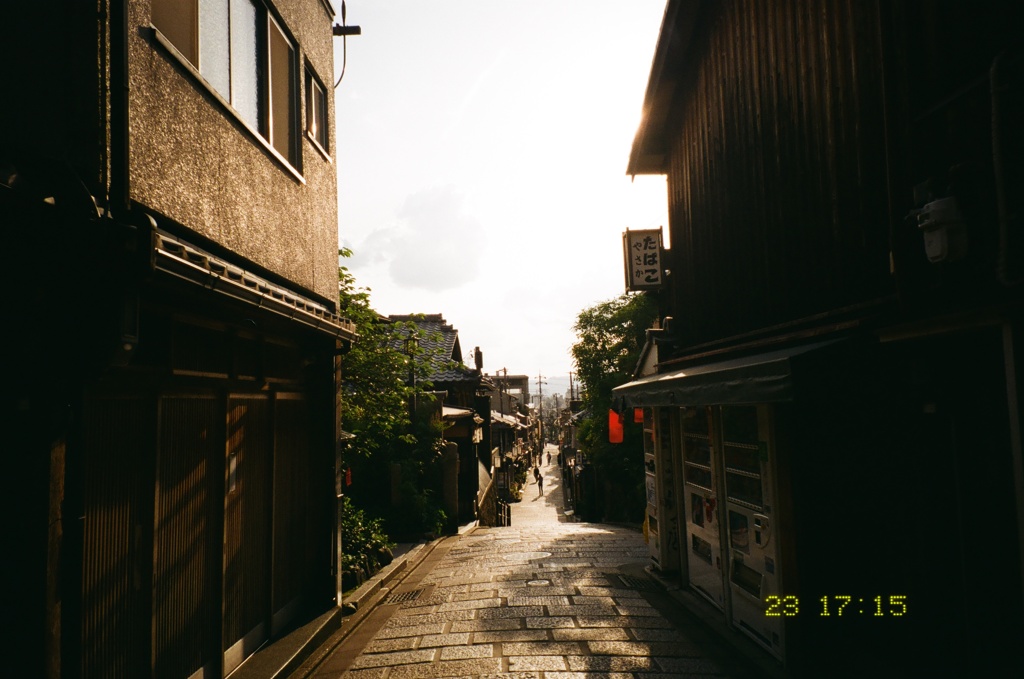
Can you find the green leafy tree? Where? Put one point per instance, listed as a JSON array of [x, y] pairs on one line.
[[610, 337], [379, 381]]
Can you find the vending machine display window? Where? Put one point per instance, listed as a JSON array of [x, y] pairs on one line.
[[743, 452], [746, 458], [740, 424], [699, 475], [699, 451], [739, 532], [695, 421], [697, 509], [744, 488]]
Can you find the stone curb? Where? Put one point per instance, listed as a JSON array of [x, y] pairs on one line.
[[365, 598], [365, 591]]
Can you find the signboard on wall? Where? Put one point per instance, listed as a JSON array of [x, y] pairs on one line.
[[643, 259]]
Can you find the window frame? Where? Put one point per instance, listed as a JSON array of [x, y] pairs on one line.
[[266, 18], [320, 136], [291, 106]]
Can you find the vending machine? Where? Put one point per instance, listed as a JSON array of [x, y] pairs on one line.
[[662, 521], [700, 500], [652, 527], [752, 543], [731, 537]]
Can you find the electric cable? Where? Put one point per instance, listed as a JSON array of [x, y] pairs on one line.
[[344, 48]]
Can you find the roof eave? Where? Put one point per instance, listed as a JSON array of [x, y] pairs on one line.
[[648, 154]]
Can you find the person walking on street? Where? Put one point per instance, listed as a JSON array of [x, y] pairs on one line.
[[540, 483]]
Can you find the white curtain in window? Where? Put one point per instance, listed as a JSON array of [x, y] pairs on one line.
[[215, 45], [245, 81]]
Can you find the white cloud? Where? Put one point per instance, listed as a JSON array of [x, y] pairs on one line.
[[433, 245]]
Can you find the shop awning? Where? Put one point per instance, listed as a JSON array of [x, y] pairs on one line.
[[762, 378]]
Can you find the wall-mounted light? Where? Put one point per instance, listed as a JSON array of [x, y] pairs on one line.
[[343, 30], [945, 233]]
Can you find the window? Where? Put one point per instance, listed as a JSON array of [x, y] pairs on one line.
[[316, 110], [244, 55], [229, 56], [282, 92]]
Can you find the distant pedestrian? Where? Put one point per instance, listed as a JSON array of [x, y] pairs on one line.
[[536, 474], [540, 484], [549, 457]]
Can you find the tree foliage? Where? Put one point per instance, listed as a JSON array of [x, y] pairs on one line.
[[379, 381], [611, 336]]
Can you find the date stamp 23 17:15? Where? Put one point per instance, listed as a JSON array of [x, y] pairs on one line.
[[838, 605]]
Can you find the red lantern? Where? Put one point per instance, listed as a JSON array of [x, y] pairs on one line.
[[615, 432]]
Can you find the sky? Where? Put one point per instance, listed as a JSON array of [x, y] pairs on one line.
[[481, 150]]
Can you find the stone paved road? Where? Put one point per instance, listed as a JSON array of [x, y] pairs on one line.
[[544, 598]]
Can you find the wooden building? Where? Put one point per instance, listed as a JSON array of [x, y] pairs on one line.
[[465, 407], [169, 187], [834, 417]]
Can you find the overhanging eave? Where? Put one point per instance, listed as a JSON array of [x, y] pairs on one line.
[[763, 378]]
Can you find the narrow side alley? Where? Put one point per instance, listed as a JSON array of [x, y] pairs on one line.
[[545, 598]]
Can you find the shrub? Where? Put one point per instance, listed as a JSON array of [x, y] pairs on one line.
[[364, 544]]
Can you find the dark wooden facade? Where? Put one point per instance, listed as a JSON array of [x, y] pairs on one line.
[[805, 145], [802, 140], [171, 411]]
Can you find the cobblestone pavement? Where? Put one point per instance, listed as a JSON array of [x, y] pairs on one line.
[[544, 598]]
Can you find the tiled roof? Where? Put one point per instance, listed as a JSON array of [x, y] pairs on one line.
[[442, 341]]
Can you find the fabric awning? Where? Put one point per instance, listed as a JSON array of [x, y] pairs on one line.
[[762, 378]]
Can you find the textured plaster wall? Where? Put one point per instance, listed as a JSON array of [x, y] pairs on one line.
[[194, 162]]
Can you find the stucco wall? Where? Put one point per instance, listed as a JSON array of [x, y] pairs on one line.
[[197, 164]]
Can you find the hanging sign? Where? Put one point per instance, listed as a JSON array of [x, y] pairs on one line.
[[643, 254]]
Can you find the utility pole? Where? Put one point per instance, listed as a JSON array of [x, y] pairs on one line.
[[501, 390], [540, 414], [557, 420], [504, 385]]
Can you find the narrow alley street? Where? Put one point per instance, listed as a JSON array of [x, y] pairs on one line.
[[545, 598]]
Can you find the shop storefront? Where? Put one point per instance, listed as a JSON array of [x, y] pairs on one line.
[[711, 479], [801, 497]]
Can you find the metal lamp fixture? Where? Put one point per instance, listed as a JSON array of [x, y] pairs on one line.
[[343, 29]]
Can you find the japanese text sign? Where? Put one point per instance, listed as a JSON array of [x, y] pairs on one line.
[[643, 253]]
